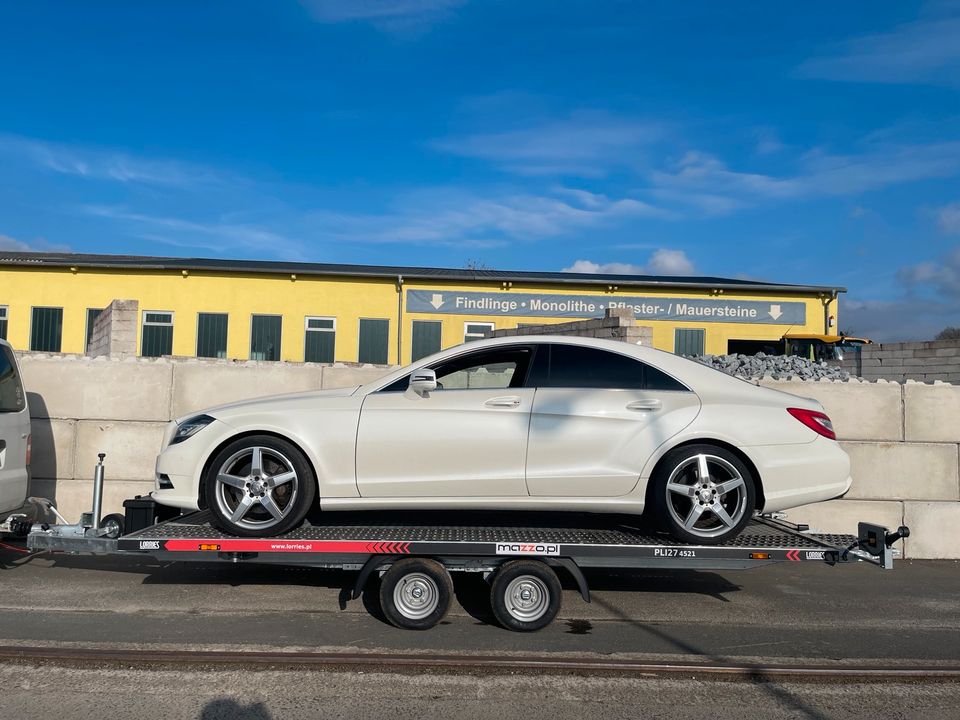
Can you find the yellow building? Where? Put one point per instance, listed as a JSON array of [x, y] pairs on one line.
[[358, 313]]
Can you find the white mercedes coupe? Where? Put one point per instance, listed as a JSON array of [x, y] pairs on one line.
[[524, 423]]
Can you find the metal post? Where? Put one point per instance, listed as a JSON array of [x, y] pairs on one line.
[[98, 491]]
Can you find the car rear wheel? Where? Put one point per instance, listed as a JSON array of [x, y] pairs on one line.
[[259, 485], [703, 494]]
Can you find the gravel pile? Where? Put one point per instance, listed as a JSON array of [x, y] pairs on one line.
[[777, 367]]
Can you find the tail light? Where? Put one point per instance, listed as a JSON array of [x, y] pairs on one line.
[[816, 421], [29, 449]]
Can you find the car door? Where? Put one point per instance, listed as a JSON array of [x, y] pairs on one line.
[[467, 438], [14, 434], [597, 418]]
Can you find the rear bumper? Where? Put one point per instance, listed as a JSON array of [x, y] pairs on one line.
[[795, 475]]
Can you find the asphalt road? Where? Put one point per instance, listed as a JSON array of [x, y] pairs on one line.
[[787, 613]]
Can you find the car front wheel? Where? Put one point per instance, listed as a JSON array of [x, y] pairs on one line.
[[703, 494], [259, 485]]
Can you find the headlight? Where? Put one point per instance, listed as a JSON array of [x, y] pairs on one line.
[[190, 427]]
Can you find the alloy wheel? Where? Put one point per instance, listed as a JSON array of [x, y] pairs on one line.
[[256, 488], [706, 495]]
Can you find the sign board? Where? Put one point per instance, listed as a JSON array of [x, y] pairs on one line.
[[519, 304]]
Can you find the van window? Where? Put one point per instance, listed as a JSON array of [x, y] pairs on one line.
[[11, 391]]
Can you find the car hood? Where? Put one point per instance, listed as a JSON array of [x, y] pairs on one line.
[[253, 404]]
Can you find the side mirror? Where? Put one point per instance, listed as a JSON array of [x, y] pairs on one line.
[[423, 381]]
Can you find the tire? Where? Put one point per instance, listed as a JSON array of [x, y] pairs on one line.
[[263, 501], [113, 525], [704, 513], [415, 593], [525, 595]]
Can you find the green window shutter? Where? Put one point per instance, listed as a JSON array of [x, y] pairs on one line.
[[426, 338], [3, 323], [319, 339], [92, 315], [265, 337], [156, 337], [374, 341], [46, 329], [688, 341], [212, 335]]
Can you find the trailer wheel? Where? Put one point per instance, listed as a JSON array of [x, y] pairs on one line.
[[525, 595], [113, 525], [415, 593]]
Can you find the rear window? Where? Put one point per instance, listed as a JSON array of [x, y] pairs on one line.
[[11, 391], [575, 366]]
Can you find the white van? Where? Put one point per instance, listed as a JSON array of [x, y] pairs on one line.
[[14, 434]]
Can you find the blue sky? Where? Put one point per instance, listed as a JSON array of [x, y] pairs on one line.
[[804, 142]]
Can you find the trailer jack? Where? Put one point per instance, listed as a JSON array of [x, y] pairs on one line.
[[93, 533]]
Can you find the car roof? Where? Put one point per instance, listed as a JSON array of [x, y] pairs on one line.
[[686, 370]]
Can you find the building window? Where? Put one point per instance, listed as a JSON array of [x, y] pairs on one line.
[[265, 337], [476, 331], [92, 315], [212, 335], [3, 322], [46, 329], [688, 341], [374, 341], [319, 338], [156, 339], [426, 338]]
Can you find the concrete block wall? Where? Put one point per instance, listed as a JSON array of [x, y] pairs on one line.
[[904, 447], [616, 324], [920, 361], [115, 331], [81, 406]]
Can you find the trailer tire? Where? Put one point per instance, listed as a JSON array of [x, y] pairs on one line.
[[525, 595], [113, 525], [415, 593]]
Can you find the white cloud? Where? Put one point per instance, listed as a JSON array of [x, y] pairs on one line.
[[903, 320], [700, 179], [10, 244], [586, 143], [942, 276], [663, 262], [106, 164], [440, 217], [670, 262], [926, 50], [388, 15], [948, 217]]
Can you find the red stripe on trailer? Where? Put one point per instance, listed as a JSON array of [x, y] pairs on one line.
[[265, 545]]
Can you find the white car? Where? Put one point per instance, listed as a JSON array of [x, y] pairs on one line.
[[529, 423], [14, 435]]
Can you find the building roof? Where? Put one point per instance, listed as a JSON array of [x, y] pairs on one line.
[[141, 262]]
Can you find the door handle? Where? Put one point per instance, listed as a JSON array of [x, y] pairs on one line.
[[506, 401], [651, 404]]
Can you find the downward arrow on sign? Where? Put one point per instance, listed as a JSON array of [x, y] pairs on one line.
[[436, 301], [774, 311]]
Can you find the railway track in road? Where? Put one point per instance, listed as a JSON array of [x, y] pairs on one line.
[[457, 663]]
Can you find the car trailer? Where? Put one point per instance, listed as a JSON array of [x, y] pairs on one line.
[[415, 560]]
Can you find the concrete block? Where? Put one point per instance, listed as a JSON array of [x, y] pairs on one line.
[[54, 446], [903, 471], [338, 376], [201, 385], [131, 448], [860, 411], [842, 516], [73, 497], [934, 530], [932, 413], [101, 389]]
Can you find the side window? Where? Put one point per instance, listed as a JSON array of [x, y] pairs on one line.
[[573, 366], [496, 368], [11, 391]]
